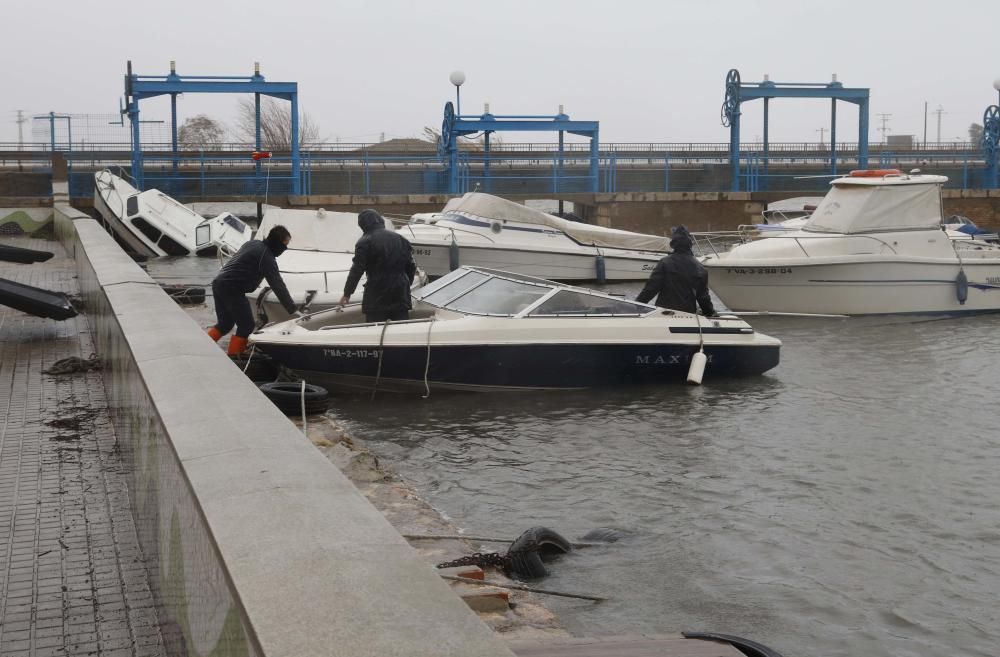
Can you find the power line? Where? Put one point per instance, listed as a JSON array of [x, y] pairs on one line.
[[884, 118]]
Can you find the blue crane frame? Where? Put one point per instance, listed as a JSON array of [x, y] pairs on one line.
[[738, 92], [454, 126], [140, 87], [991, 144]]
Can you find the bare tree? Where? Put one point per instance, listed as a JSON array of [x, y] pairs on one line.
[[200, 131], [275, 124], [975, 133]]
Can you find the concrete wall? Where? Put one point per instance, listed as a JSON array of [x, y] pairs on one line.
[[255, 544]]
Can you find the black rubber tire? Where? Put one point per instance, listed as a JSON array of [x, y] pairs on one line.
[[185, 294], [261, 367], [532, 548], [287, 396]]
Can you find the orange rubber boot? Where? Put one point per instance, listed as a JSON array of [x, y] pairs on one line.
[[214, 333], [237, 345]]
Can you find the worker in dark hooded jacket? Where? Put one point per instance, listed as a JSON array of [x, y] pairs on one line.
[[254, 262], [386, 257], [679, 280]]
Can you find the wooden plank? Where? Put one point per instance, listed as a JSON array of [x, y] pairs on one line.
[[667, 645]]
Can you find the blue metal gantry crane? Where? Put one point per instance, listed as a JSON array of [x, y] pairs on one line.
[[991, 141], [140, 87], [738, 92], [454, 126]]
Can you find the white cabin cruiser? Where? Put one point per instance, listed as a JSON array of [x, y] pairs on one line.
[[874, 245], [480, 329], [153, 224], [482, 230], [318, 259]]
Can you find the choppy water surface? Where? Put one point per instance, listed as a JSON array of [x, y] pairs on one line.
[[843, 504]]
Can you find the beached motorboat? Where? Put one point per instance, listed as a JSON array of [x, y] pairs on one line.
[[317, 261], [874, 245], [152, 224], [480, 329], [481, 230]]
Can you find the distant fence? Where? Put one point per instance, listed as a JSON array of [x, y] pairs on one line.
[[529, 168]]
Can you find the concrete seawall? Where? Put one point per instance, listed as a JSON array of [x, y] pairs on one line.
[[255, 543]]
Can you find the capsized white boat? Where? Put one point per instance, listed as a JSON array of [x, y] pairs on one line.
[[153, 224], [318, 259], [874, 245], [482, 230], [480, 329]]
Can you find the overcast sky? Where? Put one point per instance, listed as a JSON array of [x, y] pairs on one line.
[[647, 70]]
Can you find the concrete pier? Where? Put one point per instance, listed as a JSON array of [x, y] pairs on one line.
[[164, 506]]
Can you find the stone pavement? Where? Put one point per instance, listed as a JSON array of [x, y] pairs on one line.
[[72, 577]]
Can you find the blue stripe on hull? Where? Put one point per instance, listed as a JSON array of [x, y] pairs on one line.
[[521, 366]]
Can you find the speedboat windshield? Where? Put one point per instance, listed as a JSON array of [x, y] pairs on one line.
[[478, 291]]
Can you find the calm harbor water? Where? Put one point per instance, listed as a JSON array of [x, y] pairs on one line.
[[842, 504]]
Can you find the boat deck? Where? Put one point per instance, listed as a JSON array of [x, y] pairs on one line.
[[72, 576]]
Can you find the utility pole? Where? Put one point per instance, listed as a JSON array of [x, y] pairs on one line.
[[822, 135], [884, 118], [21, 120], [925, 125], [939, 111]]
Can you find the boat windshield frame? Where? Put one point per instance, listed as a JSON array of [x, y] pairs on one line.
[[552, 288]]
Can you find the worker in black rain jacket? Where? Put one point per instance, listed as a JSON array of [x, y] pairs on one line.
[[254, 262], [679, 280], [386, 257]]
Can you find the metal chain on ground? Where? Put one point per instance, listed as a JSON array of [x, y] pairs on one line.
[[481, 559]]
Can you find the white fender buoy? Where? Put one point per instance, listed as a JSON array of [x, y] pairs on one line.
[[697, 368]]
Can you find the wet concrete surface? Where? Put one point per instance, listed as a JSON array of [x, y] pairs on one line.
[[72, 577]]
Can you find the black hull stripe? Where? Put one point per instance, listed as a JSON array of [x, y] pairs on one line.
[[523, 366]]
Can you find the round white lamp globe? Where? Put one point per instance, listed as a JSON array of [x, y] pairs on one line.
[[457, 78]]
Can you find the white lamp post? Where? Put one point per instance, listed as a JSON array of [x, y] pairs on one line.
[[996, 85], [458, 79]]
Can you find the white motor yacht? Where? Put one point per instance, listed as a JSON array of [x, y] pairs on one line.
[[874, 245], [482, 230], [479, 329], [318, 259], [153, 224]]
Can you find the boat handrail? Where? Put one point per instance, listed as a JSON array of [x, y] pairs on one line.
[[453, 231], [797, 239]]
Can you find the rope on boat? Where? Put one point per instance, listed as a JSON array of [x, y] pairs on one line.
[[427, 365], [381, 351]]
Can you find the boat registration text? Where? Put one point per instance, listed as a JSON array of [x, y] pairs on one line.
[[758, 270], [351, 353]]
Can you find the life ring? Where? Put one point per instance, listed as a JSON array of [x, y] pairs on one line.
[[531, 549], [875, 173], [287, 396]]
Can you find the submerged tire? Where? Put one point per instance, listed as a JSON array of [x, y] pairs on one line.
[[185, 294], [261, 367], [287, 396], [531, 549]]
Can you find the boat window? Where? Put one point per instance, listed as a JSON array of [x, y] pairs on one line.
[[171, 247], [568, 302], [453, 288], [132, 205], [235, 223], [202, 234], [150, 231], [498, 297]]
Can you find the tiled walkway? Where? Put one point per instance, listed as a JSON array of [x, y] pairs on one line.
[[72, 578]]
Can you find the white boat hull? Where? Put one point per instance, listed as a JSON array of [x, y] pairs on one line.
[[853, 287], [552, 265]]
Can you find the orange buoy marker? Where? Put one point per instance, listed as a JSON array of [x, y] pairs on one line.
[[260, 155]]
